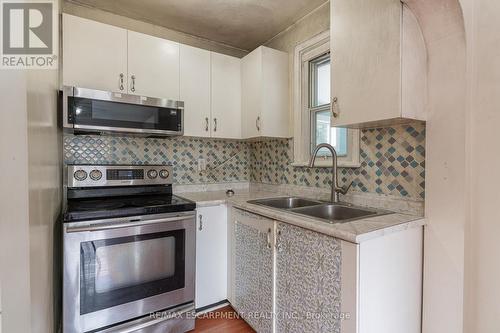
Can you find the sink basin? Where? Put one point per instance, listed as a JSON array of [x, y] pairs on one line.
[[338, 213], [286, 203]]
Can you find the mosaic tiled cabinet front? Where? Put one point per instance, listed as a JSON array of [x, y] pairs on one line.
[[308, 281], [253, 265], [392, 160]]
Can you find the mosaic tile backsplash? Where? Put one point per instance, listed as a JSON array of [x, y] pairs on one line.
[[227, 160], [392, 160], [392, 163]]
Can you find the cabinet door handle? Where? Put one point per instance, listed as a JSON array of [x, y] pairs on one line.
[[257, 123], [200, 227], [335, 112], [121, 81], [206, 124], [279, 247], [269, 245], [215, 124], [133, 83]]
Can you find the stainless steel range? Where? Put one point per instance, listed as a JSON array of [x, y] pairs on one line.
[[129, 251]]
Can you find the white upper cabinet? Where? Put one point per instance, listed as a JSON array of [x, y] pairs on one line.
[[195, 90], [153, 66], [378, 61], [251, 100], [225, 96], [94, 55], [265, 97]]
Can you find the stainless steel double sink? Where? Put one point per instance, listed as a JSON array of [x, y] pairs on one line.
[[326, 211]]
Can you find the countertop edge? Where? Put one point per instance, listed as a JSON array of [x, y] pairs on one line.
[[409, 221]]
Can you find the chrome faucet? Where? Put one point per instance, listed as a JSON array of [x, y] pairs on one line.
[[336, 189]]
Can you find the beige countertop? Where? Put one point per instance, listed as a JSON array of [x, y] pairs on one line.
[[354, 231]]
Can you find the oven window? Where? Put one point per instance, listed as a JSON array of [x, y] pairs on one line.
[[89, 112], [121, 270]]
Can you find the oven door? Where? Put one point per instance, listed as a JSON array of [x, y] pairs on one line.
[[120, 269], [100, 111]]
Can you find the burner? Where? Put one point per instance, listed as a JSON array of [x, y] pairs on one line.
[[98, 205]]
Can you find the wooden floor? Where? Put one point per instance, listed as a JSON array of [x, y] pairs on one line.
[[223, 320]]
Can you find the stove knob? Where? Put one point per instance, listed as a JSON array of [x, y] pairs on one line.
[[164, 173], [80, 175], [152, 174], [95, 175]]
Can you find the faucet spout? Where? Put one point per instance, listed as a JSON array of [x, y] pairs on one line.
[[336, 189]]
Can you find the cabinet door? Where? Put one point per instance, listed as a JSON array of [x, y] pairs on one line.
[[211, 255], [153, 66], [251, 99], [275, 112], [94, 55], [366, 60], [253, 269], [308, 281], [195, 90], [226, 96]]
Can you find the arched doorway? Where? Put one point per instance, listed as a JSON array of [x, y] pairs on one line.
[[443, 27]]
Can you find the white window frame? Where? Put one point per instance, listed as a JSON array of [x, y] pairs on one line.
[[305, 52]]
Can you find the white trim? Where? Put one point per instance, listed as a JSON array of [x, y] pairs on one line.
[[212, 308], [304, 52]]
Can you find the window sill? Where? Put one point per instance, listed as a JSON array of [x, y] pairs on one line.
[[327, 164]]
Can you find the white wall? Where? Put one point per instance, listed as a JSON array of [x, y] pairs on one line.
[[462, 243], [14, 226], [482, 241], [44, 185]]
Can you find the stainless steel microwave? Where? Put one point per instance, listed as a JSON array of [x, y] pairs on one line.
[[97, 111]]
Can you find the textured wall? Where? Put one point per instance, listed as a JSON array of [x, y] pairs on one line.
[[392, 160]]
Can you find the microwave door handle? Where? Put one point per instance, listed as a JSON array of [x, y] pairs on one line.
[[125, 224]]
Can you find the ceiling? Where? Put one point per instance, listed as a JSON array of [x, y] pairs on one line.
[[244, 24]]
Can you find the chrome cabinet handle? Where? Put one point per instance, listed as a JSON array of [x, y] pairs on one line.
[[200, 227], [269, 245], [215, 124], [206, 124], [279, 247], [133, 83], [257, 123], [335, 112], [121, 81]]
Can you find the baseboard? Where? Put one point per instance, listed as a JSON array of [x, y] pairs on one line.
[[212, 307]]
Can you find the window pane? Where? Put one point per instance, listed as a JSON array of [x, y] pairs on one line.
[[337, 137], [323, 83], [319, 80]]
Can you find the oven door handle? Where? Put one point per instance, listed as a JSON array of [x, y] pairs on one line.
[[125, 224]]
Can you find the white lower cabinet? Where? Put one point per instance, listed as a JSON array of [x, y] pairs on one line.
[[211, 255], [287, 279]]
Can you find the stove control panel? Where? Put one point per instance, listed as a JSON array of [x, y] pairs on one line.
[[118, 175]]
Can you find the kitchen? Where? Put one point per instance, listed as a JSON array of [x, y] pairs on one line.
[[306, 166]]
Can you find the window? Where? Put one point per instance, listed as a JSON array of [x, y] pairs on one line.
[[319, 108], [312, 113]]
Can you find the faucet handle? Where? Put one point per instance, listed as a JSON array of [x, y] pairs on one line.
[[344, 189]]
